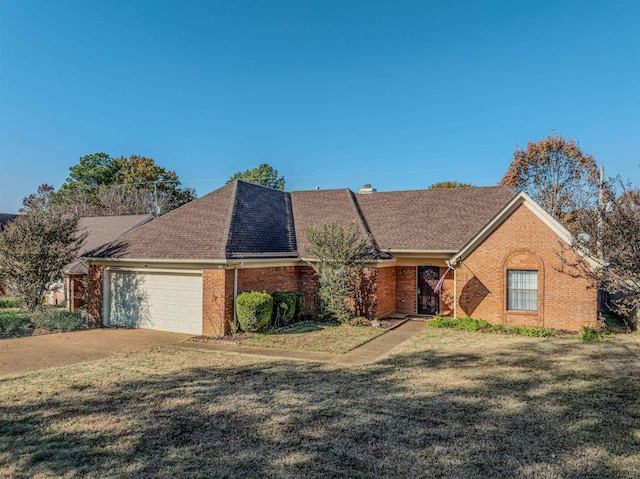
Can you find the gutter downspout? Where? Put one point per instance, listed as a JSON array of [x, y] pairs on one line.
[[235, 293]]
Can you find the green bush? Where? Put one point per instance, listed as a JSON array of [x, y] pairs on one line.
[[590, 333], [467, 323], [254, 310], [359, 321], [12, 320], [539, 332], [10, 303], [299, 314], [284, 307], [53, 319]]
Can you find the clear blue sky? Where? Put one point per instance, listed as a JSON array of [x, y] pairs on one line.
[[331, 93]]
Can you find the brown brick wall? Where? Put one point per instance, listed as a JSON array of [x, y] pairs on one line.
[[406, 289], [94, 305], [523, 241], [218, 284], [446, 295], [282, 278], [217, 301], [386, 292]]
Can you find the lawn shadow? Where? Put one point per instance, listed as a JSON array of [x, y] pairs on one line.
[[286, 419]]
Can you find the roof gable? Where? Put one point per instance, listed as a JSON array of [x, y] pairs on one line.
[[520, 199]]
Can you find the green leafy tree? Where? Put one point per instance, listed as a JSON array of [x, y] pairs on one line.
[[35, 247], [264, 175], [101, 185], [449, 184], [340, 253], [557, 174]]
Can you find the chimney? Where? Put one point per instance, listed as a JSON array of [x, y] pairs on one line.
[[366, 189]]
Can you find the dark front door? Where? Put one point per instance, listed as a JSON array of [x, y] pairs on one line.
[[428, 300]]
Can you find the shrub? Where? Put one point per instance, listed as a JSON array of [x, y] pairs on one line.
[[466, 323], [299, 314], [11, 320], [359, 321], [539, 332], [254, 310], [10, 303], [284, 307], [590, 333], [53, 319]]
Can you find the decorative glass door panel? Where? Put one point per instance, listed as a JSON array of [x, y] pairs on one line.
[[428, 300]]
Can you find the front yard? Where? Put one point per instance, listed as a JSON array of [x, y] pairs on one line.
[[317, 337], [446, 404]]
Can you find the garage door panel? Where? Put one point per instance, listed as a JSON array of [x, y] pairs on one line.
[[156, 301]]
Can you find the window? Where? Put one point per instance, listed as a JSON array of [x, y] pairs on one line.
[[522, 290]]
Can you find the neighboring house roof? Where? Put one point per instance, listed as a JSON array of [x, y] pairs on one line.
[[5, 219], [101, 230], [246, 221]]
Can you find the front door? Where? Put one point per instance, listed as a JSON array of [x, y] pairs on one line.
[[428, 300]]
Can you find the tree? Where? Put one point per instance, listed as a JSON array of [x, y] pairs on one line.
[[37, 245], [449, 184], [557, 175], [101, 185], [612, 233], [264, 175], [341, 253]]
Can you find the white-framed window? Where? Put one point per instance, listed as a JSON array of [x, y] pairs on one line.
[[522, 290]]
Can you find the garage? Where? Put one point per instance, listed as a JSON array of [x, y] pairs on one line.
[[161, 301]]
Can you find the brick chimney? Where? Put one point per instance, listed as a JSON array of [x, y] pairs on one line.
[[366, 189]]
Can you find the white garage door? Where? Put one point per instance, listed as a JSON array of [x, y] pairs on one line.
[[167, 302]]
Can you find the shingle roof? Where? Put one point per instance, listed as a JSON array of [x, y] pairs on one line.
[[243, 221], [239, 220], [262, 224], [101, 230], [442, 219], [314, 208]]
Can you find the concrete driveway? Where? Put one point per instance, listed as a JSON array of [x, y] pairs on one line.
[[51, 350]]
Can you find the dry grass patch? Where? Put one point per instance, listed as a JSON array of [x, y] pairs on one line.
[[446, 404], [316, 337]]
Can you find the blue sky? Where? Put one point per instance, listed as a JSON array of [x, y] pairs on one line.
[[331, 93]]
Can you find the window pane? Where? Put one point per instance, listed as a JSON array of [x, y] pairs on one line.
[[522, 290]]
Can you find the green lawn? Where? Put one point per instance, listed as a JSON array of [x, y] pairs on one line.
[[317, 337], [449, 404]]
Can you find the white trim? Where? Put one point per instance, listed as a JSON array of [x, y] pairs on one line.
[[520, 199]]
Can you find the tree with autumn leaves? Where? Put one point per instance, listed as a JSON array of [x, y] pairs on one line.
[[557, 174], [99, 185]]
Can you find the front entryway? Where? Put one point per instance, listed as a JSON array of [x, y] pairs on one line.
[[428, 300]]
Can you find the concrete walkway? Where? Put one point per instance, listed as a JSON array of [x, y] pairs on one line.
[[38, 352], [367, 353], [382, 345]]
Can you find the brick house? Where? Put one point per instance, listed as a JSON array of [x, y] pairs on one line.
[[182, 272]]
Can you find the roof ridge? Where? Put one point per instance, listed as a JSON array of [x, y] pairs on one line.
[[229, 219]]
